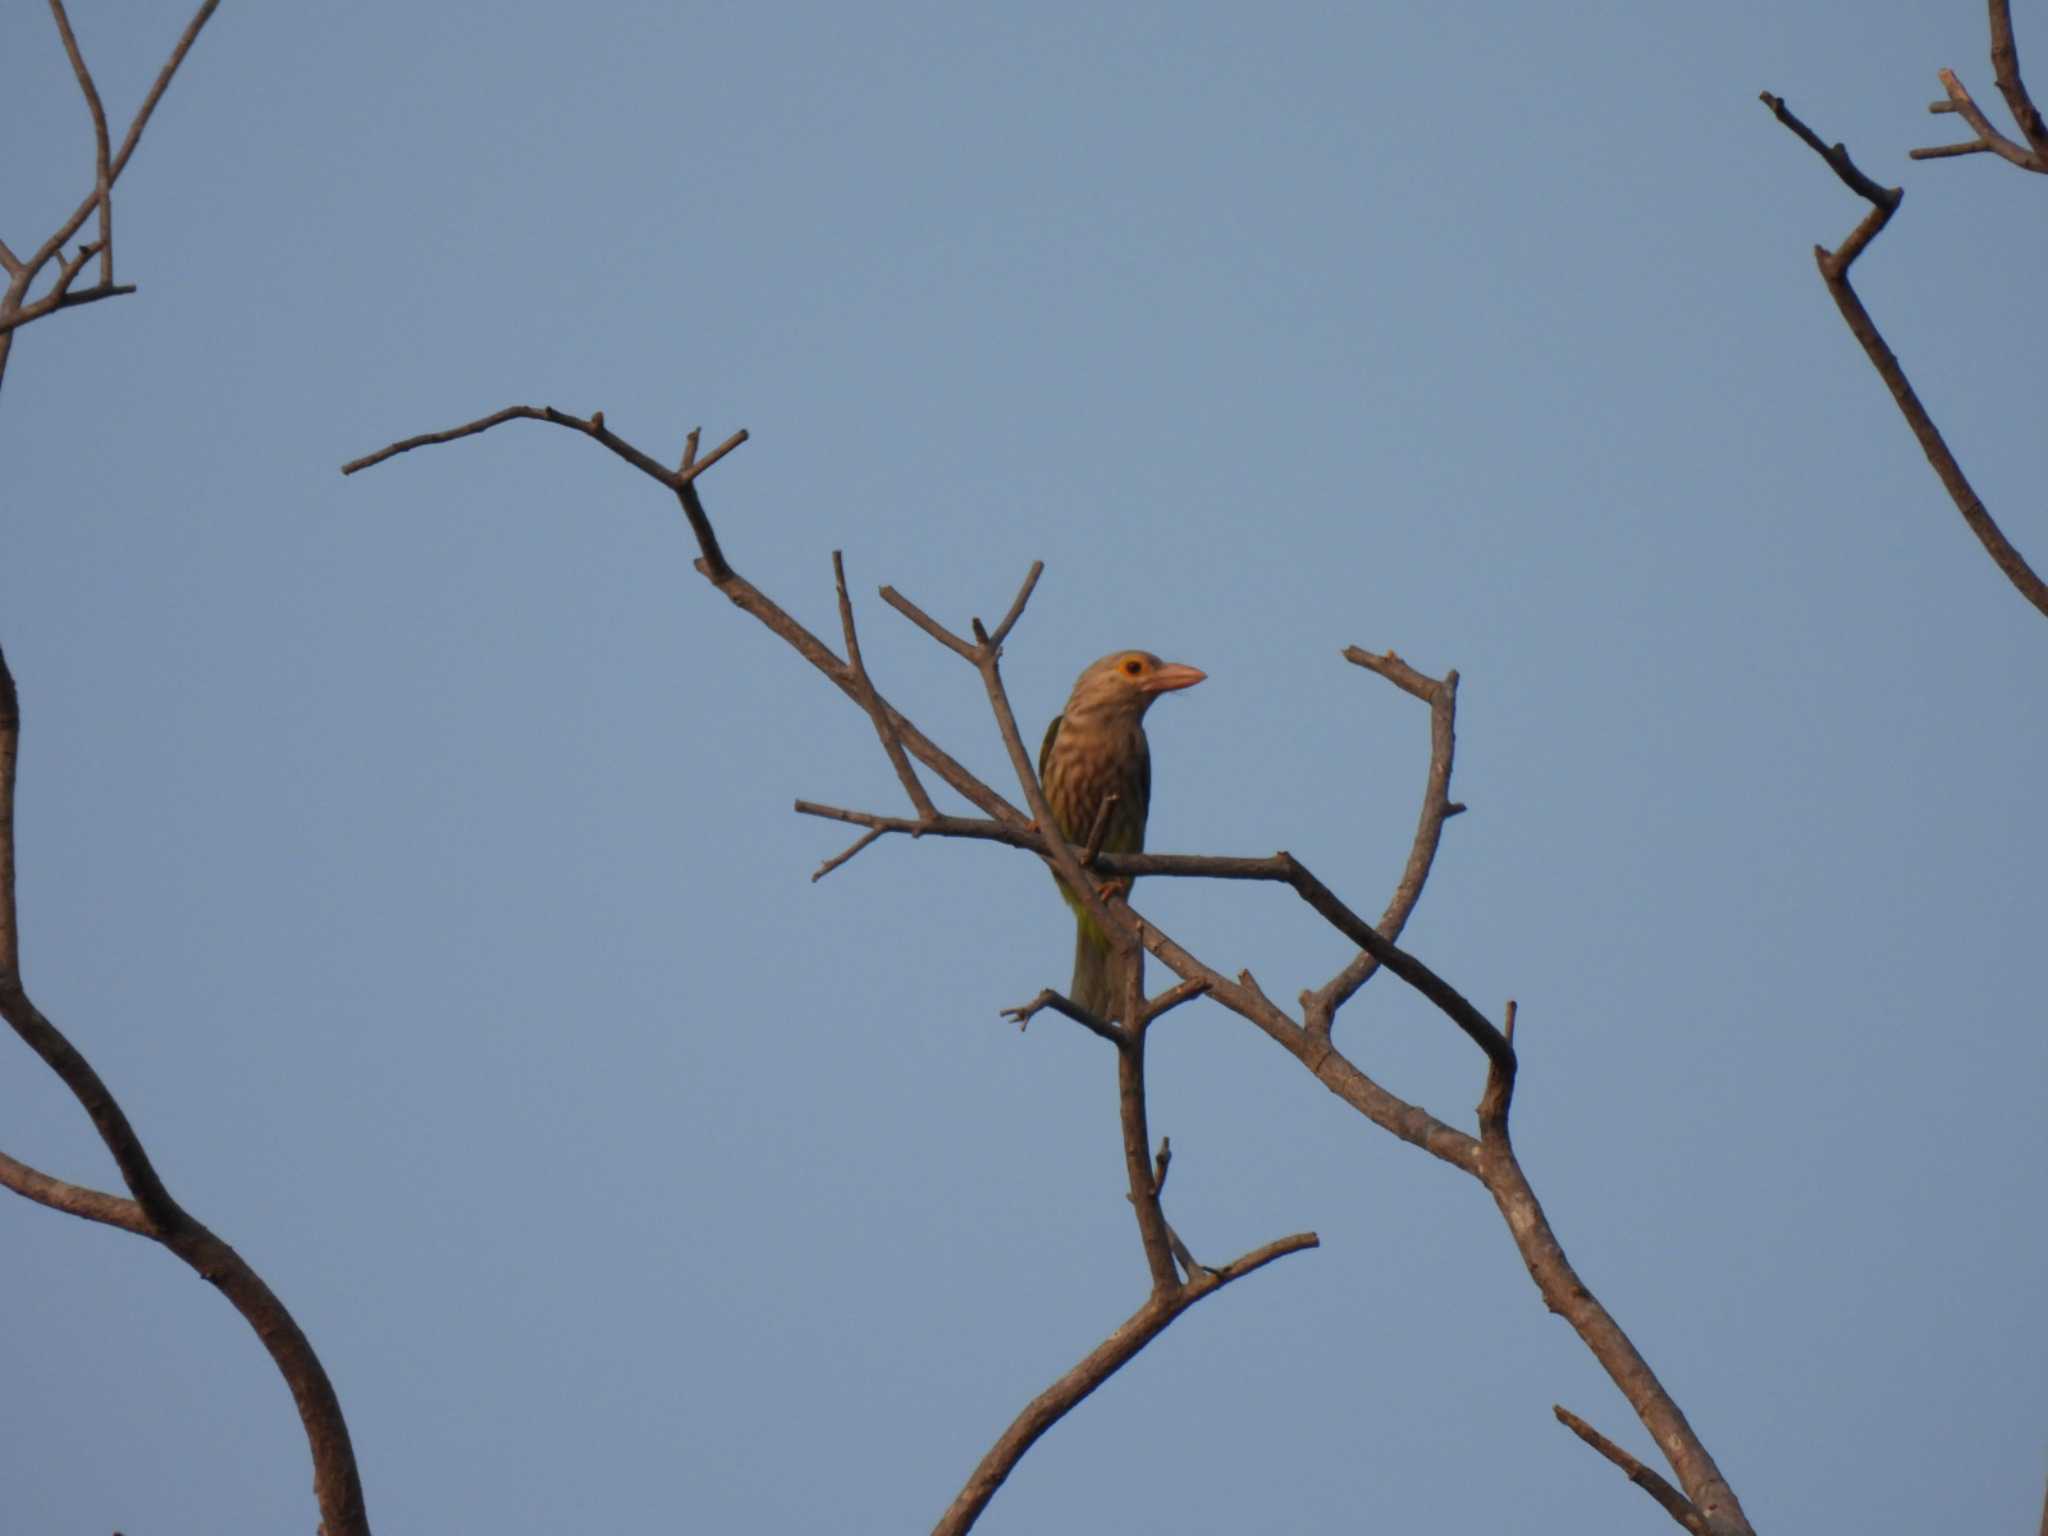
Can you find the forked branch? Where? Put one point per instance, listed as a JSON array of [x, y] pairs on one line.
[[1674, 1503], [1834, 271], [16, 307], [1488, 1156], [153, 1212], [1834, 268]]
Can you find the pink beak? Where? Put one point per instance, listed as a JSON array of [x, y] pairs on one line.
[[1170, 676]]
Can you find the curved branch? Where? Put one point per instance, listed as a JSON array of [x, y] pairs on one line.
[[712, 563], [1093, 1369], [1441, 695], [15, 308], [73, 1199], [336, 1482], [1834, 271]]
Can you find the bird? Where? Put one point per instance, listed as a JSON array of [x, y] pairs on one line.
[[1096, 748]]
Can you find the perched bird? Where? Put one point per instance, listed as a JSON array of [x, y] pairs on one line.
[[1095, 749]]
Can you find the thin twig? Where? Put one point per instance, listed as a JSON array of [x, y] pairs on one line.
[[1949, 151], [1180, 992], [928, 624], [103, 180], [1017, 605], [1441, 695], [836, 860], [1067, 1008], [1968, 110], [1676, 1505], [1836, 155], [892, 744]]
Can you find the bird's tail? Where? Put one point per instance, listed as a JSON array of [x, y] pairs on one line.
[[1095, 979]]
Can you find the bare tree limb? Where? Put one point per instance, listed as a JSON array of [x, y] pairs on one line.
[[1173, 997], [1093, 1369], [1068, 1008], [2005, 68], [103, 180], [1441, 695], [336, 1483], [1566, 1294], [73, 1199], [857, 845], [16, 309], [1834, 271], [1987, 136], [1153, 1234], [1017, 606], [1489, 1157], [892, 744], [928, 624], [1675, 1503]]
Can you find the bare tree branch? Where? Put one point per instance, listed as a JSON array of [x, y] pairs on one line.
[[1489, 1156], [892, 744], [1094, 1368], [855, 847], [1988, 137], [335, 1480], [73, 1199], [1674, 1502], [16, 309], [2005, 68], [1834, 271], [1017, 607], [1067, 1007], [1174, 996], [103, 181], [1441, 695]]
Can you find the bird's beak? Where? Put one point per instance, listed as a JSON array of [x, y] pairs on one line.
[[1171, 676]]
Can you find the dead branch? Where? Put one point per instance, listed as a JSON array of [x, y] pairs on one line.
[[1068, 1008], [1488, 1156], [1441, 695], [154, 1212], [16, 308], [892, 744], [73, 1199], [1834, 271], [2005, 69], [1093, 1369], [1674, 1502]]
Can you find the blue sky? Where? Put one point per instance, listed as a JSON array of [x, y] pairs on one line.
[[413, 853]]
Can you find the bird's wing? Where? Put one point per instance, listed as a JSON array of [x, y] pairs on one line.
[[1045, 751], [1143, 774]]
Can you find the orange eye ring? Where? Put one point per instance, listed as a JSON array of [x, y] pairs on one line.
[[1133, 666]]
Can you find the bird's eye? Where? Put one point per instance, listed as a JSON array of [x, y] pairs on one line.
[[1133, 667]]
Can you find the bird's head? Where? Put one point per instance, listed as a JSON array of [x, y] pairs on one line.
[[1123, 685]]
